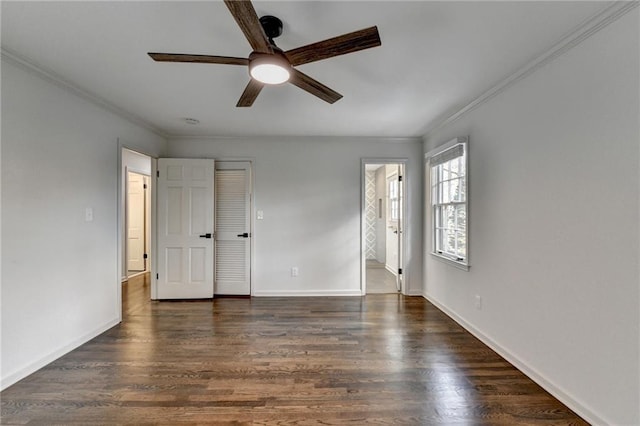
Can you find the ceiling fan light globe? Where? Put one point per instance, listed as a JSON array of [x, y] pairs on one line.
[[270, 73]]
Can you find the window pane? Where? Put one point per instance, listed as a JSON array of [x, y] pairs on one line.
[[450, 217], [394, 209], [445, 171], [454, 167], [463, 190], [462, 245], [455, 190], [450, 243], [461, 215], [446, 197]]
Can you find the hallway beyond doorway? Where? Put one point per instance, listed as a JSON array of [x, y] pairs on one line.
[[382, 221], [379, 279]]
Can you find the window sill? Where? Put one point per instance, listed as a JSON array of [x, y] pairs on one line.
[[444, 259]]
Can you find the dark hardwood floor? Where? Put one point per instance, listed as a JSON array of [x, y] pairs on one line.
[[383, 359]]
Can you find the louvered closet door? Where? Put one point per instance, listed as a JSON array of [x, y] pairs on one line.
[[233, 233]]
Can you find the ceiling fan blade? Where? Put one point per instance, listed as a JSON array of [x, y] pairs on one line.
[[201, 59], [247, 19], [250, 93], [341, 45], [314, 87]]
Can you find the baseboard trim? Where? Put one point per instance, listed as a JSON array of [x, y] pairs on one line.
[[310, 293], [16, 376], [581, 409], [137, 274], [388, 268]]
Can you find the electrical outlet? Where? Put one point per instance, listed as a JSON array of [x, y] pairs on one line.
[[294, 271], [478, 302], [260, 214]]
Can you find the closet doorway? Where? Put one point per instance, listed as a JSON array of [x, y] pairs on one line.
[[383, 225]]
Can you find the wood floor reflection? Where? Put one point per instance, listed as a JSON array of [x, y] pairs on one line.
[[383, 359]]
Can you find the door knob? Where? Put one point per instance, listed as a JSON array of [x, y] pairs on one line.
[[245, 235], [205, 236]]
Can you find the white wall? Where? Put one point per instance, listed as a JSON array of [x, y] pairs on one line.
[[310, 192], [554, 183], [60, 275]]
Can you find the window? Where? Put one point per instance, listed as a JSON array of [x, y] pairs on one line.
[[394, 199], [449, 201]]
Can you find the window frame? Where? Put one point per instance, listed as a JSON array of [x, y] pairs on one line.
[[434, 208], [393, 197]]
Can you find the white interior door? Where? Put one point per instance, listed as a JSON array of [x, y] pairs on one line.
[[393, 212], [185, 228], [136, 232], [399, 275], [233, 228]]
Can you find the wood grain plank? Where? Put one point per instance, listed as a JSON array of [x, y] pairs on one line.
[[382, 359]]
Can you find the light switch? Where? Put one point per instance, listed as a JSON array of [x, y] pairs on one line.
[[260, 214], [88, 214]]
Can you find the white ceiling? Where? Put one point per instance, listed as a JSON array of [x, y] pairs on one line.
[[435, 58]]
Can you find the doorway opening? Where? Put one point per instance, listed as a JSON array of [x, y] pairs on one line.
[[138, 221], [383, 226], [135, 224]]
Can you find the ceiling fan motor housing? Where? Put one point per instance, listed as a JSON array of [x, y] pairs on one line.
[[272, 26]]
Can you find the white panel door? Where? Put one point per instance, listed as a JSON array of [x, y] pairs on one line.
[[399, 275], [233, 233], [392, 223], [185, 228], [135, 222]]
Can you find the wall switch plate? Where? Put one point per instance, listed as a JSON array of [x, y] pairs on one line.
[[88, 214], [294, 271], [478, 302], [260, 214]]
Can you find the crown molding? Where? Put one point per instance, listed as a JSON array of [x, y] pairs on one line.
[[583, 31], [50, 76], [296, 138]]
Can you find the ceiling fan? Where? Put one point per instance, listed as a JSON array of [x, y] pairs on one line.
[[268, 64]]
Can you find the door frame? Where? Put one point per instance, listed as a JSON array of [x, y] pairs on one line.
[[121, 218], [363, 223]]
